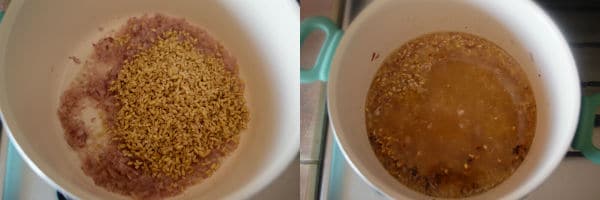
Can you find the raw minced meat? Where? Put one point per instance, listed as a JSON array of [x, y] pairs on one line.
[[155, 140]]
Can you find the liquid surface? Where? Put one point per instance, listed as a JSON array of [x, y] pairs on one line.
[[450, 114]]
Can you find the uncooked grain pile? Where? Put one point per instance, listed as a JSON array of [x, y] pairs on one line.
[[171, 107]]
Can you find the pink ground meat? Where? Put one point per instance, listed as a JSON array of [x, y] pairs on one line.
[[108, 167]]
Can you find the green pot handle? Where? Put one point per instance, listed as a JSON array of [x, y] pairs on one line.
[[583, 137], [320, 71]]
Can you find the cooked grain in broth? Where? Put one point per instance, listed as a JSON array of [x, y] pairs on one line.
[[450, 114]]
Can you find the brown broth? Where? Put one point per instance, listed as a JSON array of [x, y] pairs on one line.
[[450, 114]]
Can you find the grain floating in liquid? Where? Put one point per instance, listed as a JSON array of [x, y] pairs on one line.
[[450, 114]]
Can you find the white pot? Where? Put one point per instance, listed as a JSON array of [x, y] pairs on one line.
[[519, 27], [37, 37]]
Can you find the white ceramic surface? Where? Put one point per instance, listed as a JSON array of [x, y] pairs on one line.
[[519, 27], [37, 37]]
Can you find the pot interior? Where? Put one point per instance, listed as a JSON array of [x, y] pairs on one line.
[[37, 37], [519, 27]]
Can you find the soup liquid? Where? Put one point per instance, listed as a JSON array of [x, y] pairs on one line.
[[450, 114]]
